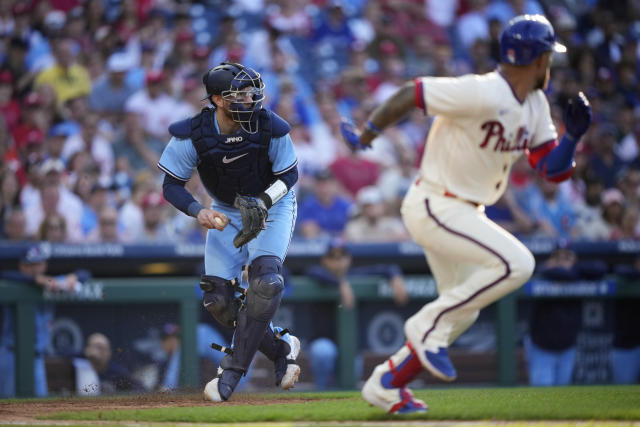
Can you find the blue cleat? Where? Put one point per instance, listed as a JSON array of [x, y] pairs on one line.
[[409, 404], [382, 390], [440, 365]]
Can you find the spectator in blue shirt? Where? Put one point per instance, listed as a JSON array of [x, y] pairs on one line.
[[325, 212], [551, 211], [112, 90]]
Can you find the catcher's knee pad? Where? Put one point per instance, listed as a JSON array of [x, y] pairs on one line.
[[265, 287], [219, 299]]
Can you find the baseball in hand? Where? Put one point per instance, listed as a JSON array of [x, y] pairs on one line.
[[219, 222]]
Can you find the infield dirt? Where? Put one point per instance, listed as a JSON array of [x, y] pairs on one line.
[[26, 411]]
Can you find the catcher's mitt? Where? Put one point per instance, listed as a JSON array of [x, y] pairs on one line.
[[254, 214]]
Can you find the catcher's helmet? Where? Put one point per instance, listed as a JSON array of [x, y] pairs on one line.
[[242, 87], [525, 38]]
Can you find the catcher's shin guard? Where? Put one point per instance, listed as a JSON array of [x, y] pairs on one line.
[[246, 340], [262, 301]]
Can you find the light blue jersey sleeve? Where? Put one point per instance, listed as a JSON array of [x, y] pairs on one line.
[[282, 155], [179, 158]]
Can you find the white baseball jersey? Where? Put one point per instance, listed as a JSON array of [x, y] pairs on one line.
[[481, 128]]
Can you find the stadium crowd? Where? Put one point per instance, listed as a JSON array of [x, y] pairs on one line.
[[88, 89]]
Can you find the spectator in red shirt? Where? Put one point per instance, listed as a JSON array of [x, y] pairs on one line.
[[355, 172], [33, 117], [30, 151]]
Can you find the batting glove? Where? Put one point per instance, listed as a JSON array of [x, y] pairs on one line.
[[350, 134], [577, 116]]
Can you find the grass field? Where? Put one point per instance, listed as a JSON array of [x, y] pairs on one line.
[[599, 405]]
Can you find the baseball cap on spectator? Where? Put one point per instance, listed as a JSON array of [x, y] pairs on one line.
[[35, 254], [6, 77], [147, 47], [369, 195], [387, 47], [235, 52], [190, 84], [184, 36], [118, 63], [33, 136], [336, 4], [152, 199], [20, 8], [583, 148], [33, 99], [336, 247], [200, 52], [61, 129], [103, 32], [612, 195], [52, 165], [55, 20], [154, 76], [76, 12]]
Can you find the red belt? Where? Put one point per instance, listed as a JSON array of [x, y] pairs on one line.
[[453, 196]]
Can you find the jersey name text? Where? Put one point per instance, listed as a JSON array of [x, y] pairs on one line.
[[233, 139]]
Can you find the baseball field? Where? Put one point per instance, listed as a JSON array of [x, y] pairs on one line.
[[588, 405]]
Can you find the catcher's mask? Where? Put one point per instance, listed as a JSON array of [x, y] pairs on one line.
[[242, 87]]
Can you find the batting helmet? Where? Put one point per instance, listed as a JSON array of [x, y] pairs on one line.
[[525, 38], [235, 82]]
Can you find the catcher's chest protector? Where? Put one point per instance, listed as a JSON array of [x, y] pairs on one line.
[[232, 164]]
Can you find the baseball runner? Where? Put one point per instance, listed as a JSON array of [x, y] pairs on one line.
[[247, 163], [483, 124]]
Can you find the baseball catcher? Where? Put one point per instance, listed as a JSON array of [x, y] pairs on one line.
[[246, 161]]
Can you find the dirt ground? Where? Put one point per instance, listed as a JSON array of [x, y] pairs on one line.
[[26, 411]]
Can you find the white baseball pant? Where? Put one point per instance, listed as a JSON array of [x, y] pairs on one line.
[[473, 260]]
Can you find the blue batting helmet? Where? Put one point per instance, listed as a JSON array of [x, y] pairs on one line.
[[525, 38]]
